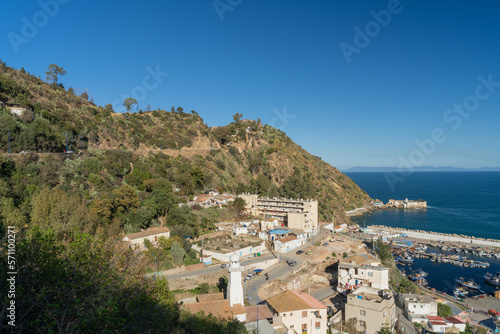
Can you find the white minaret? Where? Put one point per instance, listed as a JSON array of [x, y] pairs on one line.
[[235, 288]]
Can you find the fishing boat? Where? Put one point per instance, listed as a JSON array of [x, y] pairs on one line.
[[494, 280], [470, 284], [407, 259]]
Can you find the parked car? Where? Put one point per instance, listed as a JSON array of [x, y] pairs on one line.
[[332, 239], [309, 252], [299, 252], [325, 244], [223, 265], [339, 239], [69, 152], [24, 151], [291, 263]]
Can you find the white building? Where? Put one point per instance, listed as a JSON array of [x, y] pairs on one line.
[[152, 234], [362, 269], [297, 312], [300, 214], [289, 243], [240, 230], [418, 307]]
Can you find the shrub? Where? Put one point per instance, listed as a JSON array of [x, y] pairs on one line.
[[204, 287]]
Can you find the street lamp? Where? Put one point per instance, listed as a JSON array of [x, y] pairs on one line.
[[257, 293]]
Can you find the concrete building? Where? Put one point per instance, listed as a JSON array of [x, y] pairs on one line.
[[370, 309], [418, 307], [269, 223], [296, 312], [437, 324], [289, 243], [152, 234], [362, 269], [301, 214]]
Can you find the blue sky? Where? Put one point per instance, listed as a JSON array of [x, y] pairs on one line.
[[266, 59]]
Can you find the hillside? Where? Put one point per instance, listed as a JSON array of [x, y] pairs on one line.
[[242, 156]]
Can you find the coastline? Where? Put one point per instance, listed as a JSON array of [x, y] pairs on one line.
[[437, 236]]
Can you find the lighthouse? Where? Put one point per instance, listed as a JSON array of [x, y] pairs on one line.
[[235, 288]]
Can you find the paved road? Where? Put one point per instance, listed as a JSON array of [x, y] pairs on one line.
[[406, 326], [213, 268]]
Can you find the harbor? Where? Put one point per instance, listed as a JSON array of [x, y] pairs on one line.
[[447, 272]]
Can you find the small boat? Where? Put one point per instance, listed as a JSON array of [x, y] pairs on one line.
[[470, 284], [494, 280], [407, 259], [460, 292]]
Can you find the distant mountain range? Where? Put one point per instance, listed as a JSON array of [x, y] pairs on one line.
[[421, 169]]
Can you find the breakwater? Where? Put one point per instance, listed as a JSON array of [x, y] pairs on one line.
[[438, 237]]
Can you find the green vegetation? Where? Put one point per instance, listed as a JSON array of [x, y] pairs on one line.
[[397, 281], [93, 284], [444, 310], [123, 181]]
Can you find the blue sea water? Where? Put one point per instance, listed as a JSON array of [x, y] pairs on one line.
[[458, 202]]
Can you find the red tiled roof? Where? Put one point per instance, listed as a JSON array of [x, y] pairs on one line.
[[453, 320], [219, 308]]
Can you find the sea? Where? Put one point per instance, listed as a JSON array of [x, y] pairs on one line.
[[465, 203]]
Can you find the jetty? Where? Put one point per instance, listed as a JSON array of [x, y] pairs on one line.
[[392, 204], [461, 241]]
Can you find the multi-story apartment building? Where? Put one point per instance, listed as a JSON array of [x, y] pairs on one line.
[[301, 214], [370, 309], [362, 269], [418, 307]]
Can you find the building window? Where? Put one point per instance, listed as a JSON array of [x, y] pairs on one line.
[[385, 314], [362, 312], [304, 314], [291, 314], [304, 327], [421, 306], [362, 324], [284, 315], [318, 325], [370, 273]]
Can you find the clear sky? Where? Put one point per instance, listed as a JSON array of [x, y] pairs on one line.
[[354, 82]]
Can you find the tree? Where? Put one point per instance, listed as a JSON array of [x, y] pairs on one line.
[[85, 95], [239, 204], [444, 310], [385, 330], [53, 73], [178, 253], [166, 243], [125, 198], [180, 110], [237, 117], [129, 102]]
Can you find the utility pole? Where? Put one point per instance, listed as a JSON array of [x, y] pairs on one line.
[[81, 138]]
